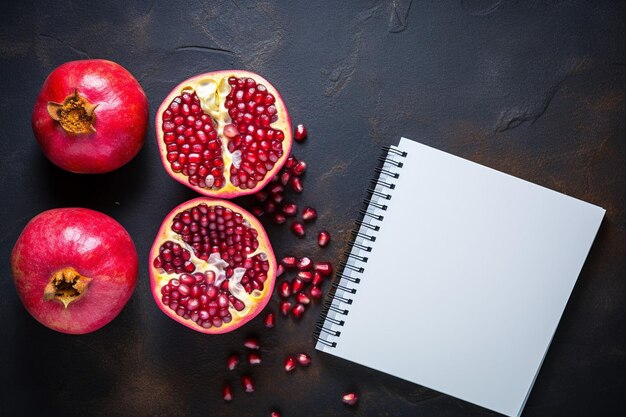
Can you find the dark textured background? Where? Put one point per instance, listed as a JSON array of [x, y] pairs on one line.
[[533, 88]]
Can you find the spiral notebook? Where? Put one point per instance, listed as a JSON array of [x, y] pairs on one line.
[[457, 276]]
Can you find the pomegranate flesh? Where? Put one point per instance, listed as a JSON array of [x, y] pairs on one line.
[[224, 133], [212, 267], [74, 269], [90, 116]]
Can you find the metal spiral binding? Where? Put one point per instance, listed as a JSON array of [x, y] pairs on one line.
[[351, 265]]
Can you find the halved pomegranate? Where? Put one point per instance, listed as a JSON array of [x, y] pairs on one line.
[[212, 267], [223, 133]]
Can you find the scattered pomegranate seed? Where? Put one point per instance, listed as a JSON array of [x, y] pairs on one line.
[[305, 276], [297, 227], [323, 238], [275, 414], [303, 359], [278, 197], [285, 307], [300, 133], [315, 292], [304, 263], [299, 168], [260, 195], [349, 398], [232, 361], [252, 343], [254, 358], [289, 261], [317, 278], [270, 207], [284, 289], [257, 211], [270, 320], [324, 268], [276, 188], [227, 392], [290, 364], [298, 310], [296, 184], [296, 285], [290, 209], [280, 269], [309, 214], [247, 383], [279, 218], [302, 298]]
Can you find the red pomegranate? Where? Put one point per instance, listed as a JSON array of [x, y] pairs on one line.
[[74, 269], [212, 267], [224, 133], [91, 116]]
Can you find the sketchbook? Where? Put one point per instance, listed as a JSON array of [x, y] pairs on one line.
[[456, 276]]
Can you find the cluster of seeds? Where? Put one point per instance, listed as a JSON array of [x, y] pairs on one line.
[[306, 286]]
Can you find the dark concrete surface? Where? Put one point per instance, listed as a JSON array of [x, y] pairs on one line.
[[536, 89]]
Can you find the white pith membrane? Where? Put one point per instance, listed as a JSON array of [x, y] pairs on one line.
[[215, 264], [212, 93]]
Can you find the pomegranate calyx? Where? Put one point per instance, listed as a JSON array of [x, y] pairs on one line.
[[75, 115], [66, 286]]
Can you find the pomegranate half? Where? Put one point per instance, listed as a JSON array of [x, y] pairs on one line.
[[212, 267], [91, 116], [74, 269], [223, 133]]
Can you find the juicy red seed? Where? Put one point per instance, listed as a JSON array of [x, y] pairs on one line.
[[297, 227], [300, 133], [323, 238], [315, 292], [247, 383], [299, 168], [232, 361], [285, 307], [317, 278], [305, 276], [257, 211], [289, 209], [280, 269], [298, 310], [274, 413], [308, 214], [324, 268], [289, 261], [302, 298], [279, 218], [303, 359], [270, 320], [296, 184], [290, 363], [227, 392], [284, 289], [254, 358], [296, 285], [349, 398], [252, 343], [304, 263]]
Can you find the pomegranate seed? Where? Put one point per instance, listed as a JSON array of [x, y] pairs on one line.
[[296, 285], [299, 168], [302, 298], [315, 292], [254, 358], [309, 214], [317, 278], [269, 320], [324, 268], [290, 209], [247, 383], [257, 211], [349, 398], [290, 364], [285, 307], [300, 133], [280, 269], [275, 414], [297, 227], [227, 392], [289, 261], [304, 263], [296, 184], [284, 289], [305, 276], [323, 238], [232, 362], [298, 310], [303, 359], [279, 218], [252, 343], [260, 195]]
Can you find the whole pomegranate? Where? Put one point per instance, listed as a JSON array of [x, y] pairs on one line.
[[90, 116], [212, 267], [74, 269], [223, 133]]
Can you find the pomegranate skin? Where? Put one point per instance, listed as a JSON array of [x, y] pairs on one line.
[[121, 117], [92, 243]]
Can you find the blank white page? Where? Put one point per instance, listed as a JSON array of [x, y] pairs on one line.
[[466, 281]]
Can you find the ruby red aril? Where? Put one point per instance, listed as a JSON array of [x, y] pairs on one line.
[[247, 383], [224, 133], [290, 209], [284, 289], [290, 363], [299, 168], [270, 320], [232, 361], [309, 214], [349, 398], [324, 268], [304, 263], [315, 292], [300, 133], [323, 238], [296, 285], [280, 269], [254, 358], [302, 298], [274, 414], [298, 310], [285, 307], [289, 261], [303, 359], [227, 392], [279, 218], [297, 227], [252, 343], [305, 276], [296, 184], [317, 278]]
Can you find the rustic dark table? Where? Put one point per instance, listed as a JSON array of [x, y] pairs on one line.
[[533, 88]]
